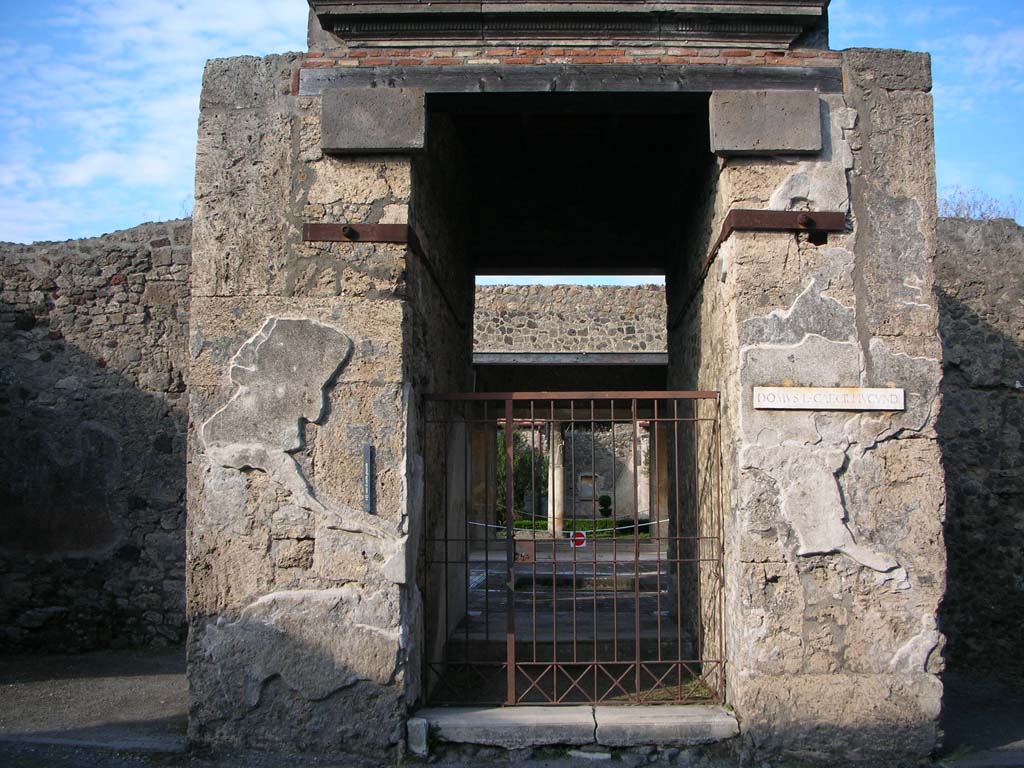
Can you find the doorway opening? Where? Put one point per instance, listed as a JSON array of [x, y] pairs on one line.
[[578, 556], [572, 548]]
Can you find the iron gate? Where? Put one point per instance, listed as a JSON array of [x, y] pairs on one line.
[[573, 548]]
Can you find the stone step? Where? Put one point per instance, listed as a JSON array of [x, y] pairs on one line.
[[577, 725]]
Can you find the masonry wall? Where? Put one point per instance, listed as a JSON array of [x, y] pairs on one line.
[[93, 371], [979, 280], [298, 599], [833, 522], [438, 353], [569, 318]]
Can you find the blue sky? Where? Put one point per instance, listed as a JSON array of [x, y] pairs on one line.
[[100, 97]]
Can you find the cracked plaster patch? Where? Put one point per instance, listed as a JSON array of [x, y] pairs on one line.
[[281, 374], [913, 655], [821, 183], [814, 344], [811, 501], [811, 312]]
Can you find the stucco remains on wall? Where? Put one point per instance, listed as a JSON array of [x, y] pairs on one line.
[[833, 521], [281, 555]]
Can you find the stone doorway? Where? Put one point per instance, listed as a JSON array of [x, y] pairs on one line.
[[305, 604], [578, 183]]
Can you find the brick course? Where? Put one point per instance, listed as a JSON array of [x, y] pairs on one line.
[[595, 55]]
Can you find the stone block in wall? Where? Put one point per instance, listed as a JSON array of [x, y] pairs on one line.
[[356, 120], [765, 122]]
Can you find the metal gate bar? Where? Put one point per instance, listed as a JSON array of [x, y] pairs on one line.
[[543, 497]]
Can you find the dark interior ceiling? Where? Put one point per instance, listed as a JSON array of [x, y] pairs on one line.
[[578, 183]]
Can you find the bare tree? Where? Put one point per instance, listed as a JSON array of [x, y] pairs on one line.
[[959, 203]]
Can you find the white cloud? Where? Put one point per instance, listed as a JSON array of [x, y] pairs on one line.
[[98, 120]]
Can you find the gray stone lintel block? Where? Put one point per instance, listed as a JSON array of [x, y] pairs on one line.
[[765, 122], [360, 120]]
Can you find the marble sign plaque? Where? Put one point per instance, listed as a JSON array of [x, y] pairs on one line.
[[828, 399]]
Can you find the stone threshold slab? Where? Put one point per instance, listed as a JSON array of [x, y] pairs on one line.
[[610, 726]]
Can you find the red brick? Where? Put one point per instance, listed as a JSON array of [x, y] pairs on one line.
[[314, 55], [407, 62], [446, 61], [377, 62], [735, 54], [519, 60]]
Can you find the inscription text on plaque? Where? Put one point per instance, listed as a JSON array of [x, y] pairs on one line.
[[828, 399]]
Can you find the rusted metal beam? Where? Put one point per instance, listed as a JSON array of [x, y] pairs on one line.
[[356, 233], [745, 220], [571, 358]]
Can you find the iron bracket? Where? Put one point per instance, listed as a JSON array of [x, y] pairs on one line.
[[356, 233], [746, 220]]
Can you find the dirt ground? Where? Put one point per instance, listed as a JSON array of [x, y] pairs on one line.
[[126, 709]]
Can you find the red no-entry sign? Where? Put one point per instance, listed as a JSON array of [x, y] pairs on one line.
[[578, 538]]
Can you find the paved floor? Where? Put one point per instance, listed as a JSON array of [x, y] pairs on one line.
[[123, 700], [127, 710], [983, 720]]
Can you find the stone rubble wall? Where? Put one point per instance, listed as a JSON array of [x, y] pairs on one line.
[[569, 318], [93, 373], [979, 279]]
